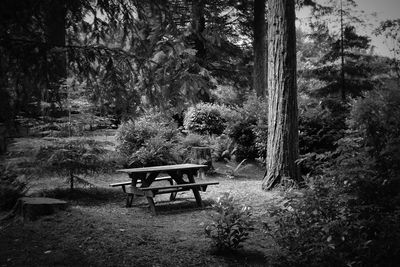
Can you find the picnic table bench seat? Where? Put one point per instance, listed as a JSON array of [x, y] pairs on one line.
[[152, 191], [128, 183]]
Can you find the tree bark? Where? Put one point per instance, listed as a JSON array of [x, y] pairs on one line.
[[282, 145], [57, 59], [198, 26], [259, 47]]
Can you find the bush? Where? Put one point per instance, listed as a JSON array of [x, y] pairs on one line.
[[306, 228], [132, 135], [321, 125], [10, 189], [242, 133], [230, 224], [348, 217], [376, 115], [155, 151], [206, 118], [222, 147]]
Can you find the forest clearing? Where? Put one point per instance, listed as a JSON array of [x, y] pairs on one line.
[[200, 133]]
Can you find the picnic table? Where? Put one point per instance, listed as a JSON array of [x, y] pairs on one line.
[[143, 178]]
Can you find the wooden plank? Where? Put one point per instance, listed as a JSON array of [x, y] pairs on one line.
[[164, 178], [164, 168], [167, 191], [189, 185]]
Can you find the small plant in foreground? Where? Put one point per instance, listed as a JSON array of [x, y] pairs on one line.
[[231, 224]]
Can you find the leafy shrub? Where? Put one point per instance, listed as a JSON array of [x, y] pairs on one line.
[[155, 151], [10, 189], [320, 126], [222, 147], [230, 224], [132, 135], [193, 140], [261, 138], [249, 132], [255, 108], [183, 147], [225, 94], [307, 227], [376, 116], [205, 118], [348, 217], [242, 133]]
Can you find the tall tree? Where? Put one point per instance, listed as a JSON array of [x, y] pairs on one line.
[[57, 60], [342, 16], [198, 26], [259, 47], [390, 29], [282, 144]]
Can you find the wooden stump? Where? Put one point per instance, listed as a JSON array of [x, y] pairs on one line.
[[202, 155], [31, 208]]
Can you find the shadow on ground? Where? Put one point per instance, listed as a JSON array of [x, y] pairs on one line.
[[91, 196], [181, 205]]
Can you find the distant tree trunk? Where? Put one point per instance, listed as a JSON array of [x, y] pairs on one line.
[[259, 47], [342, 75], [57, 61], [198, 26], [282, 145]]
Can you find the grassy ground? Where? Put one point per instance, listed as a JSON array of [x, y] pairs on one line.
[[98, 230]]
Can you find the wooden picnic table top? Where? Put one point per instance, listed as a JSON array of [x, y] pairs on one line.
[[177, 167]]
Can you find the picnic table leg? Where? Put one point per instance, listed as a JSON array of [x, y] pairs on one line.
[[130, 196], [152, 205], [129, 200], [195, 190], [172, 197], [178, 178]]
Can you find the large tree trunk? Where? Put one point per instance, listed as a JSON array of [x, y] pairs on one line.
[[259, 47], [57, 59], [282, 146], [198, 26]]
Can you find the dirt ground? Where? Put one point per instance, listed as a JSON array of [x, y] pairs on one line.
[[98, 230]]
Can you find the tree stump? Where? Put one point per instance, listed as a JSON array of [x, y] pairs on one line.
[[31, 208], [202, 155]]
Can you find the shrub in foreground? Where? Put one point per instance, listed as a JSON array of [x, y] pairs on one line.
[[230, 224], [350, 216]]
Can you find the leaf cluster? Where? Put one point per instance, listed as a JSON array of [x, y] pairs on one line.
[[230, 225]]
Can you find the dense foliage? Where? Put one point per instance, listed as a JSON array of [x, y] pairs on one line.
[[205, 118], [230, 225], [349, 214]]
